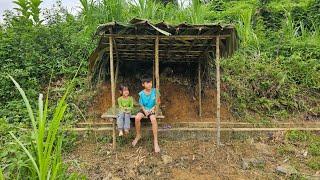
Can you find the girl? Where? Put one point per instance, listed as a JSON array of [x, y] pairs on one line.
[[125, 103]]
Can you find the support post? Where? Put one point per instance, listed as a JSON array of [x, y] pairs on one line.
[[199, 86], [118, 61], [218, 88], [156, 59], [113, 98]]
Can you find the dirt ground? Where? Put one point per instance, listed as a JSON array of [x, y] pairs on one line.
[[178, 102], [186, 159]]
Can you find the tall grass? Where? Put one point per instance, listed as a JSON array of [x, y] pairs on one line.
[[45, 151], [1, 174], [198, 12], [245, 29], [146, 9]]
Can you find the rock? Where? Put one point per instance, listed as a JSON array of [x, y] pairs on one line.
[[286, 169], [116, 178], [108, 176], [166, 159], [305, 154], [257, 163], [244, 164]]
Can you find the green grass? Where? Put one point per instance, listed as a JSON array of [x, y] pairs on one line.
[[314, 148], [314, 163], [1, 174], [286, 149], [298, 136]]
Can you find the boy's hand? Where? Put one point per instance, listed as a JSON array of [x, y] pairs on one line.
[[146, 112], [153, 110]]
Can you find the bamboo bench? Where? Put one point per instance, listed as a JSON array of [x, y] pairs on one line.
[[109, 114], [112, 115]]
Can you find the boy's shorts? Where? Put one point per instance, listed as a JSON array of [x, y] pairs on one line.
[[145, 114]]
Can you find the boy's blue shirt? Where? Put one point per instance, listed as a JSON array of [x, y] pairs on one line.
[[148, 101]]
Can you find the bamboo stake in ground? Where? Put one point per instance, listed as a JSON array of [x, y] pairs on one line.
[[218, 87], [156, 59], [199, 84], [113, 98]]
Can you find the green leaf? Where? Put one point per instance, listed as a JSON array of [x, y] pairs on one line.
[[31, 158], [26, 101]]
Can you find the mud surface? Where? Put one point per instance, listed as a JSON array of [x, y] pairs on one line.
[[187, 159]]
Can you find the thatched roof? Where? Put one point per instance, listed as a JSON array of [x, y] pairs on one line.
[[180, 43], [144, 27]]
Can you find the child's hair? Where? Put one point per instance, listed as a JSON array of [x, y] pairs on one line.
[[122, 87], [146, 78]]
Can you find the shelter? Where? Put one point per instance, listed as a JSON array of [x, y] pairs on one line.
[[141, 40]]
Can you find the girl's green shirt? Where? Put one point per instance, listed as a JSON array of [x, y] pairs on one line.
[[125, 104]]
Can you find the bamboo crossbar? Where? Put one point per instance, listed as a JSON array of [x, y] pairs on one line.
[[178, 60], [205, 129], [160, 50], [163, 37], [162, 44]]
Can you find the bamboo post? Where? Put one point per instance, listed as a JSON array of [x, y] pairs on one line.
[[218, 87], [199, 86], [153, 72], [156, 59], [118, 61], [113, 98]]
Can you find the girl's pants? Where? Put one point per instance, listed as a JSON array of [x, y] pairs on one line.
[[123, 120]]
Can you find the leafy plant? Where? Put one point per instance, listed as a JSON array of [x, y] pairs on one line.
[[35, 10], [314, 148], [29, 8], [314, 163], [23, 8], [298, 136], [1, 174], [47, 162]]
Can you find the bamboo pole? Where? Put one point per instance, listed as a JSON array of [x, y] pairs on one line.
[[113, 98], [118, 61], [218, 88], [163, 37], [156, 59], [199, 86], [207, 129], [153, 72]]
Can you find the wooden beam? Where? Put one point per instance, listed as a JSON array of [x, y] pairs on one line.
[[123, 54], [151, 50], [118, 61], [113, 97], [148, 46], [199, 86], [178, 37], [218, 88], [193, 60], [156, 60], [229, 46], [234, 41], [205, 129]]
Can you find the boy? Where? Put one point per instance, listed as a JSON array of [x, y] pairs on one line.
[[148, 103]]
